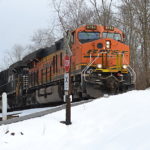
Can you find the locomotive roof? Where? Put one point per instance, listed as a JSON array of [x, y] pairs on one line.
[[3, 76], [42, 52]]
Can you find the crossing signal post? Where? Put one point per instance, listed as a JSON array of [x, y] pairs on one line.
[[67, 89], [67, 75]]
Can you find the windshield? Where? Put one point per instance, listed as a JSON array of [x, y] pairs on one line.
[[115, 36], [88, 36]]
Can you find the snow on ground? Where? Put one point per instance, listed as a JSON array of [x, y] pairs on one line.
[[120, 122]]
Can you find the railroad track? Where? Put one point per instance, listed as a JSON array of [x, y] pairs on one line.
[[42, 113]]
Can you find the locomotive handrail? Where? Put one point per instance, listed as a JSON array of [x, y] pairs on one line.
[[132, 72], [87, 67]]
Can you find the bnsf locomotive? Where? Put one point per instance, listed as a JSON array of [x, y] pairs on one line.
[[99, 63]]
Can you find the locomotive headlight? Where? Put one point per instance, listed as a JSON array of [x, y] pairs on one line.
[[124, 66], [107, 44], [99, 66]]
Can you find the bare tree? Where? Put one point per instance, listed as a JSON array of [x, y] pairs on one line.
[[12, 56], [16, 53], [135, 17], [102, 12], [42, 38], [72, 13]]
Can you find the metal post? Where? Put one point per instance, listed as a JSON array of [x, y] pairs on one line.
[[4, 106], [68, 103], [67, 77], [67, 90], [68, 111], [67, 97]]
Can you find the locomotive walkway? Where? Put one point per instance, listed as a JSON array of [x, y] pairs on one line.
[[41, 113]]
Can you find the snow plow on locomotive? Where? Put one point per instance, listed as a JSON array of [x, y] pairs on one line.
[[99, 64]]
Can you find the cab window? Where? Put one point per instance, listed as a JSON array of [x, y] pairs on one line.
[[85, 37], [115, 36]]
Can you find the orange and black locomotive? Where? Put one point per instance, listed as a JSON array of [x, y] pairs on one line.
[[99, 63]]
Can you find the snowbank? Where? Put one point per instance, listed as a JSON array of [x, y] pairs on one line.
[[119, 122]]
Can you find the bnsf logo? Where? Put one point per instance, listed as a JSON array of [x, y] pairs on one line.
[[113, 52]]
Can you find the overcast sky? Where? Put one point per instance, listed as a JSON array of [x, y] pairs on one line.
[[20, 18]]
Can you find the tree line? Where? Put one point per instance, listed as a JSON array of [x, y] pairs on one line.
[[131, 16]]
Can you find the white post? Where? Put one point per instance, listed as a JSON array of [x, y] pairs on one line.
[[4, 106]]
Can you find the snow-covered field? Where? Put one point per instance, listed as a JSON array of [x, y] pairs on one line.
[[120, 122]]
